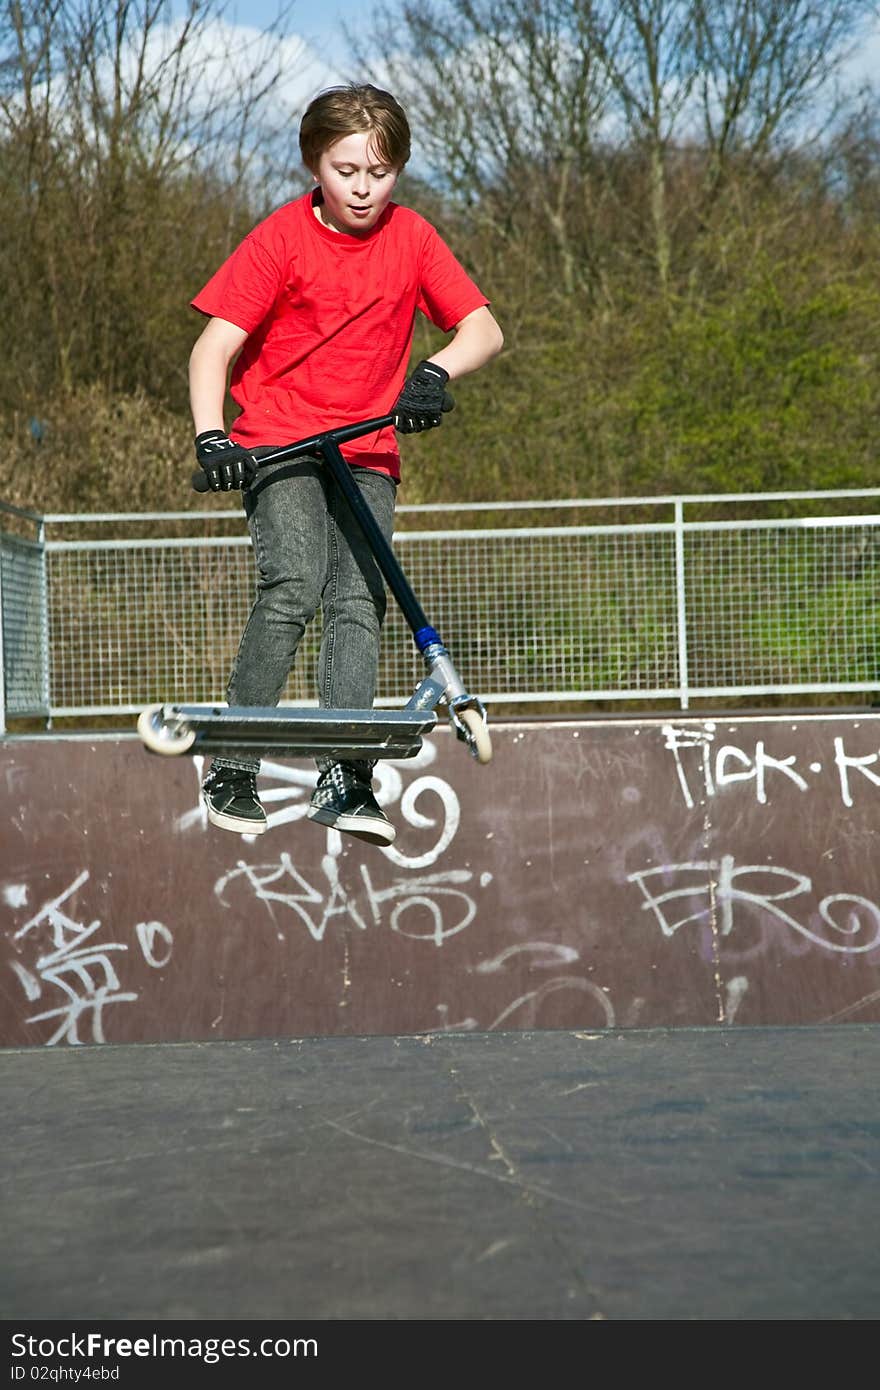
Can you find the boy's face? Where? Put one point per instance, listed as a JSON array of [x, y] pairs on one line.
[[357, 185]]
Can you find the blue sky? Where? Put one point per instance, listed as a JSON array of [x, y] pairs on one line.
[[317, 21], [317, 24], [311, 52]]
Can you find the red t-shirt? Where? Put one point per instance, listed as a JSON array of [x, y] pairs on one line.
[[330, 320]]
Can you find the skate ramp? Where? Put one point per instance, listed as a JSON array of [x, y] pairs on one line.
[[597, 874]]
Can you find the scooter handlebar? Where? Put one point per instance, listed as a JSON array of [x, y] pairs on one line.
[[342, 435]]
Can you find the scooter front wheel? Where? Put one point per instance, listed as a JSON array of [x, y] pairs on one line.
[[479, 740], [159, 736]]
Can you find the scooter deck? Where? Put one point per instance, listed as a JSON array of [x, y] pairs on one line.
[[227, 730]]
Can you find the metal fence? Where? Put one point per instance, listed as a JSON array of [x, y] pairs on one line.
[[105, 614]]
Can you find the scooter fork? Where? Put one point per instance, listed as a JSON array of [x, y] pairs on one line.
[[443, 685]]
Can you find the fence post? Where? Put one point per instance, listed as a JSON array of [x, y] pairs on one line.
[[681, 612], [45, 654]]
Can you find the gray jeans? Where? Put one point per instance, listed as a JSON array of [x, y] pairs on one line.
[[310, 553]]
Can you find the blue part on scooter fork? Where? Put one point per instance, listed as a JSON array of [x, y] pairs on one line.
[[426, 637]]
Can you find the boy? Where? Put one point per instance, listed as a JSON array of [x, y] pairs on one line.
[[317, 308]]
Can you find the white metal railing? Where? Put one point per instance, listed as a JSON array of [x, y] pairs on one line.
[[673, 607]]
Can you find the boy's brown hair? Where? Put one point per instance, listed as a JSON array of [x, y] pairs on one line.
[[355, 110]]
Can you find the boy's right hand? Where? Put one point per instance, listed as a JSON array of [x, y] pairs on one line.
[[226, 465]]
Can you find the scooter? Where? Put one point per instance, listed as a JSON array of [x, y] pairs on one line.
[[172, 729]]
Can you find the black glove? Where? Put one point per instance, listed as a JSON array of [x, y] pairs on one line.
[[226, 465], [422, 400]]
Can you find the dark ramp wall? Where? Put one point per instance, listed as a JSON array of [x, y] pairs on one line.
[[595, 874]]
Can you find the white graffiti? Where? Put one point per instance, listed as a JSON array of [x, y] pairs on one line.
[[149, 934], [430, 894], [728, 764], [426, 908], [534, 997], [735, 992], [281, 885], [80, 967], [529, 1004], [544, 955], [844, 763], [553, 953], [708, 769], [718, 887], [414, 817]]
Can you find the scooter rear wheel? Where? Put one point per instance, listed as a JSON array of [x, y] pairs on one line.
[[160, 737]]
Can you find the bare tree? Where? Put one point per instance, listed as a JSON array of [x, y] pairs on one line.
[[551, 108], [765, 67], [646, 48], [130, 144], [506, 99]]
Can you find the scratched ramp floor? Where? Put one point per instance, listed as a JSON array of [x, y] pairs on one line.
[[682, 1174]]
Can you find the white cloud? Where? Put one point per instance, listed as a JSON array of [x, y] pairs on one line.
[[226, 56], [863, 65]]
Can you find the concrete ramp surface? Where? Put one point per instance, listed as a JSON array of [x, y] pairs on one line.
[[665, 1174]]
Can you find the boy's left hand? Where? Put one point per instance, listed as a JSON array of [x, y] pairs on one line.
[[421, 403]]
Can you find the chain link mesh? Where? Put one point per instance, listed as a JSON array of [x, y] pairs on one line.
[[24, 627], [539, 613]]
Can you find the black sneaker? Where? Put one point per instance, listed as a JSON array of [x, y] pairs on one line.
[[344, 800], [230, 795]]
